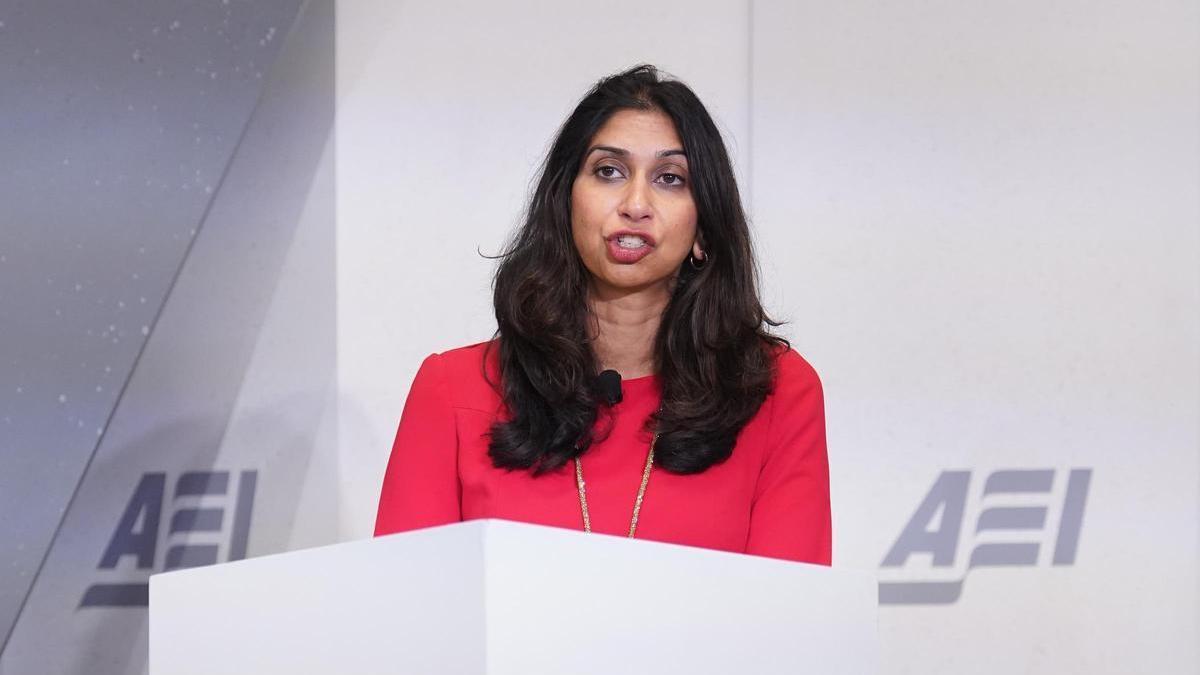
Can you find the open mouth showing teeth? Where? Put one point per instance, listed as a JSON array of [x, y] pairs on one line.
[[630, 241]]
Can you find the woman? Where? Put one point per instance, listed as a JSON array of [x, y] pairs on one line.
[[634, 257]]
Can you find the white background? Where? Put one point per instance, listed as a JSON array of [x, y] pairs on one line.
[[980, 219]]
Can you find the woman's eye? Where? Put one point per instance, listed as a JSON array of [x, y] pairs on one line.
[[672, 179], [607, 172]]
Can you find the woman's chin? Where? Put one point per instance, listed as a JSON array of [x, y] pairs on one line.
[[627, 281]]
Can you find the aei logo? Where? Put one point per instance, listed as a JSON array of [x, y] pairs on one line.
[[1025, 517], [196, 534]]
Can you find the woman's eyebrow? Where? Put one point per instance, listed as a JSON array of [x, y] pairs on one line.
[[622, 152]]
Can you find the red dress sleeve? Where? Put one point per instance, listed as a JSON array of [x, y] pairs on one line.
[[421, 487], [790, 516]]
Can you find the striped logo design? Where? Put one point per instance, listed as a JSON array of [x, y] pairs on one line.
[[1026, 517], [209, 522]]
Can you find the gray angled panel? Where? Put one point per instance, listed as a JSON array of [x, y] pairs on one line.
[[119, 119], [204, 340]]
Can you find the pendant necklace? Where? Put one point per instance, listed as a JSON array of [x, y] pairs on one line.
[[637, 503]]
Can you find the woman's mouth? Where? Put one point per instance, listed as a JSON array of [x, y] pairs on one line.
[[627, 248]]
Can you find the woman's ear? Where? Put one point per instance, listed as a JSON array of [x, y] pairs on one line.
[[697, 249]]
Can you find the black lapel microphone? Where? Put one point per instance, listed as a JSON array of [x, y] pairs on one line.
[[608, 384]]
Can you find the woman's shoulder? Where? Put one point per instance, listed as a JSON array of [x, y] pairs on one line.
[[797, 397], [790, 364], [468, 356], [794, 375], [468, 373]]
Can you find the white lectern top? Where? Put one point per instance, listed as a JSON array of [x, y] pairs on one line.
[[494, 597]]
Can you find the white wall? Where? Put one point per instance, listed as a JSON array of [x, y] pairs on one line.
[[981, 220]]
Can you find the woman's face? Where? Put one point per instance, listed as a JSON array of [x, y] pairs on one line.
[[632, 214]]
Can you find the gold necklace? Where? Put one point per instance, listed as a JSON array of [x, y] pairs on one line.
[[637, 503]]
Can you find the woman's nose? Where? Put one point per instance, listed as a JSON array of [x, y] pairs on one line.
[[635, 203]]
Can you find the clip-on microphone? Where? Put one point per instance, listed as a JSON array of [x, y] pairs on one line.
[[608, 384]]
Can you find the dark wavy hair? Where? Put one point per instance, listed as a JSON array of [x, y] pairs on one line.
[[713, 351]]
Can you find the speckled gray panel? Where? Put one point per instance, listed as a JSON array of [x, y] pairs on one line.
[[117, 123]]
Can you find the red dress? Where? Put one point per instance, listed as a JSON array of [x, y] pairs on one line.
[[770, 498]]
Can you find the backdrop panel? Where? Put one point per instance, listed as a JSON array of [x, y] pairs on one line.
[[119, 121], [220, 432], [982, 220]]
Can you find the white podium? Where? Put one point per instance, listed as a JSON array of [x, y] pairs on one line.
[[499, 598]]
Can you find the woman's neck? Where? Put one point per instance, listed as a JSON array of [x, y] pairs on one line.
[[625, 328]]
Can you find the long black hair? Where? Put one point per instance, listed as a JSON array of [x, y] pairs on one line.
[[713, 352]]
